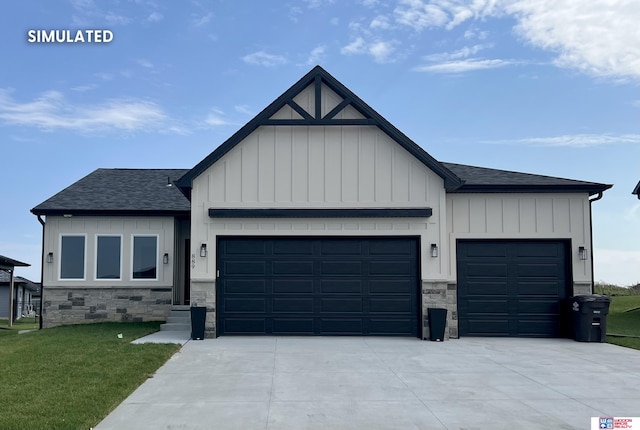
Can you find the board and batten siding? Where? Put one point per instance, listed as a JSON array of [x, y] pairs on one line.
[[316, 167], [522, 216], [126, 227]]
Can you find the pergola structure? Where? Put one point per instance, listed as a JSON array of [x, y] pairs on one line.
[[8, 265]]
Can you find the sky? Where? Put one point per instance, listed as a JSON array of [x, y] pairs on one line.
[[548, 87]]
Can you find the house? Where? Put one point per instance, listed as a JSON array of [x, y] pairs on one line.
[[319, 217], [17, 300]]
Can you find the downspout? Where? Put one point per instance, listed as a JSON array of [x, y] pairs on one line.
[[40, 220], [598, 197]]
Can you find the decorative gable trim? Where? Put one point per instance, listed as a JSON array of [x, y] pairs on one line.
[[318, 77]]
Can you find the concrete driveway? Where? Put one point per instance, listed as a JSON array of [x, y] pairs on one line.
[[384, 383]]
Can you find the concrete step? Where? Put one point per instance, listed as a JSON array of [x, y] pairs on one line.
[[179, 319], [175, 327]]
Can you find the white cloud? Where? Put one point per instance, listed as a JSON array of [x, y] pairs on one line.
[[313, 4], [419, 14], [617, 266], [243, 109], [84, 88], [316, 55], [465, 52], [576, 140], [145, 63], [380, 50], [199, 21], [52, 111], [599, 37], [112, 18], [380, 22], [217, 118], [468, 65], [155, 17], [261, 58]]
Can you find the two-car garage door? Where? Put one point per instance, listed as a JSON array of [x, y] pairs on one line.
[[318, 286], [513, 288]]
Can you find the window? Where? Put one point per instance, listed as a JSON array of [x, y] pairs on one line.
[[145, 257], [108, 257], [72, 257]]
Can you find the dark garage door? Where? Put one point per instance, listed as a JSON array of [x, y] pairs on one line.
[[318, 286], [512, 288]]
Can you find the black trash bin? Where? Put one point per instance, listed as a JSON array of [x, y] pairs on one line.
[[437, 323], [198, 315], [590, 317]]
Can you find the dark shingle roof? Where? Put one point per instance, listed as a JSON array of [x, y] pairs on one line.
[[481, 179], [636, 190], [5, 278], [120, 191], [10, 262]]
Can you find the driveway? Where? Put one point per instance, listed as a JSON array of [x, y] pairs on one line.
[[384, 383]]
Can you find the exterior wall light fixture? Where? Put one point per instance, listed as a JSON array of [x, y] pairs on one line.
[[50, 257], [434, 250], [165, 258], [582, 253], [203, 250]]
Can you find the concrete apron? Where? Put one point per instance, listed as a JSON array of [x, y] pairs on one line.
[[384, 383]]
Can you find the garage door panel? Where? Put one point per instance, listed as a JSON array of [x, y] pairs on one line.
[[539, 288], [481, 307], [290, 305], [549, 250], [487, 288], [244, 305], [292, 286], [486, 270], [526, 300], [243, 325], [353, 286], [341, 286], [390, 247], [231, 268], [539, 307], [304, 268], [330, 268], [292, 247], [238, 286], [538, 270], [389, 305], [342, 305], [390, 268], [301, 326], [391, 286], [352, 326], [341, 247], [244, 247]]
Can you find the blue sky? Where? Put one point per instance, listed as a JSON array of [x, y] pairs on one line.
[[540, 86]]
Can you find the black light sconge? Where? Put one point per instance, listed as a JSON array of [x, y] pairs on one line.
[[50, 257], [203, 250], [582, 253], [165, 258], [434, 250]]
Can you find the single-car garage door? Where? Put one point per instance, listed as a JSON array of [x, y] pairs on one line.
[[512, 288], [318, 286]]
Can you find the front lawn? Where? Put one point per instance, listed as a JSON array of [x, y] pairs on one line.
[[624, 318], [71, 377]]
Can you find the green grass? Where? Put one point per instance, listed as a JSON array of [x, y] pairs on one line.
[[614, 290], [71, 377], [21, 324]]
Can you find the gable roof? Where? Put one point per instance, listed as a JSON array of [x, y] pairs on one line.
[[120, 192], [5, 278], [7, 263], [318, 76], [484, 180], [636, 190]]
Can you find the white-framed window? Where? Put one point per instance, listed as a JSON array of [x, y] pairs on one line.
[[144, 257], [72, 256], [108, 257]]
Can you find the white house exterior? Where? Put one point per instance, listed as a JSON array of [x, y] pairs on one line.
[[319, 217]]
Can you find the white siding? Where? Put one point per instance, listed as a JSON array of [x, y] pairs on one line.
[[126, 227], [521, 216], [316, 167]]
